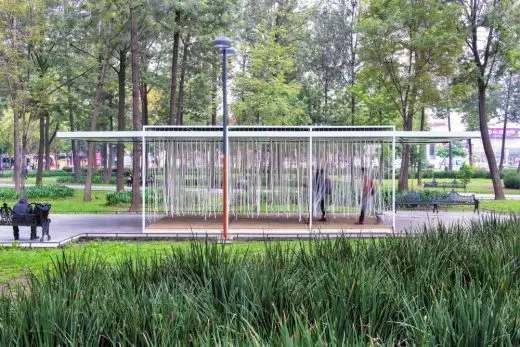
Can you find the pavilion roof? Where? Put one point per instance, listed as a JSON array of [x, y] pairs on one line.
[[354, 133]]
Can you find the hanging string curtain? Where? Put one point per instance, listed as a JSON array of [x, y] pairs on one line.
[[267, 176]]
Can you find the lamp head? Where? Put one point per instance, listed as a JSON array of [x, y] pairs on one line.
[[222, 42]]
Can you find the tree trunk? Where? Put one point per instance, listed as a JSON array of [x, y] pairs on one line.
[[450, 148], [144, 102], [488, 149], [47, 142], [136, 177], [104, 157], [421, 148], [503, 150], [506, 114], [405, 158], [180, 110], [75, 155], [175, 58], [87, 193], [470, 152], [121, 76], [16, 111], [41, 146]]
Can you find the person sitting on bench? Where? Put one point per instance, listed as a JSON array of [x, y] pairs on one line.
[[22, 207]]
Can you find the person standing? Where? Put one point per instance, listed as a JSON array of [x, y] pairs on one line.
[[368, 191]]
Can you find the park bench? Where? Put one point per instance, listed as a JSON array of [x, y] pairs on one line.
[[38, 218], [414, 199], [453, 184]]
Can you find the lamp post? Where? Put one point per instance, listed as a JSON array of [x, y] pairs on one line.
[[224, 44]]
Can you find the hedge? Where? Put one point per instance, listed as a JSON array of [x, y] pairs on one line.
[[51, 191], [512, 181], [96, 179]]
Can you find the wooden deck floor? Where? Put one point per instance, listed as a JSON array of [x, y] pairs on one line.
[[269, 223]]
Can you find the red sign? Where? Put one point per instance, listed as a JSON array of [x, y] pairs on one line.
[[499, 132]]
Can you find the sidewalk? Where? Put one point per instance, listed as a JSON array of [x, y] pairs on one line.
[[66, 228]]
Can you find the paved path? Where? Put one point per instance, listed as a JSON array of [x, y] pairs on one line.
[[66, 226], [113, 188]]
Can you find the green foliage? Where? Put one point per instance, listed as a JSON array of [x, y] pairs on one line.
[[268, 94], [512, 181], [45, 173], [438, 286], [96, 179], [119, 198], [465, 173], [51, 191], [456, 150]]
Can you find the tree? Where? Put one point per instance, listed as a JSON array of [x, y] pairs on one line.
[[509, 108], [405, 44], [104, 37], [490, 29], [138, 125]]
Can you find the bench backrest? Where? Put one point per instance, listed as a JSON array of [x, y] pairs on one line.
[[6, 215]]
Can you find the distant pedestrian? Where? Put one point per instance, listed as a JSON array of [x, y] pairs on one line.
[[368, 191], [322, 190], [25, 172]]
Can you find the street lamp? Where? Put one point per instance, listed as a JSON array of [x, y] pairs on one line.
[[224, 45]]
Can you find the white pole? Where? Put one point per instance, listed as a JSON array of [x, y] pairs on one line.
[[143, 177], [309, 174], [393, 183]]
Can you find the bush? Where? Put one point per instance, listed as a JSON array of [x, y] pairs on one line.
[[8, 194], [480, 173], [119, 198], [512, 181], [51, 191], [465, 173], [434, 288]]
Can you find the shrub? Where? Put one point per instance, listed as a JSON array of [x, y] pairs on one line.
[[465, 173], [96, 179], [480, 173], [51, 191], [8, 194], [512, 181], [119, 198]]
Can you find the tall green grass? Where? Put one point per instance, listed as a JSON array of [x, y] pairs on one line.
[[456, 287]]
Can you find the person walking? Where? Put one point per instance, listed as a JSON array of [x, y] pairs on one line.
[[322, 190], [368, 191]]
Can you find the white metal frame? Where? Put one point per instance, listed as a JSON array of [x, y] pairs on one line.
[[384, 133]]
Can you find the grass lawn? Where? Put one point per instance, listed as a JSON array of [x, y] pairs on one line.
[[504, 206], [477, 185], [15, 262], [76, 204]]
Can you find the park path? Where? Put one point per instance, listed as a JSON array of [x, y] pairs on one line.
[[112, 188], [65, 227]]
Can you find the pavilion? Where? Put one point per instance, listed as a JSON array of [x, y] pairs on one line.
[[277, 175]]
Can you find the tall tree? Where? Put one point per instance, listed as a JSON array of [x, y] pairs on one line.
[[404, 44], [489, 27], [136, 177]]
